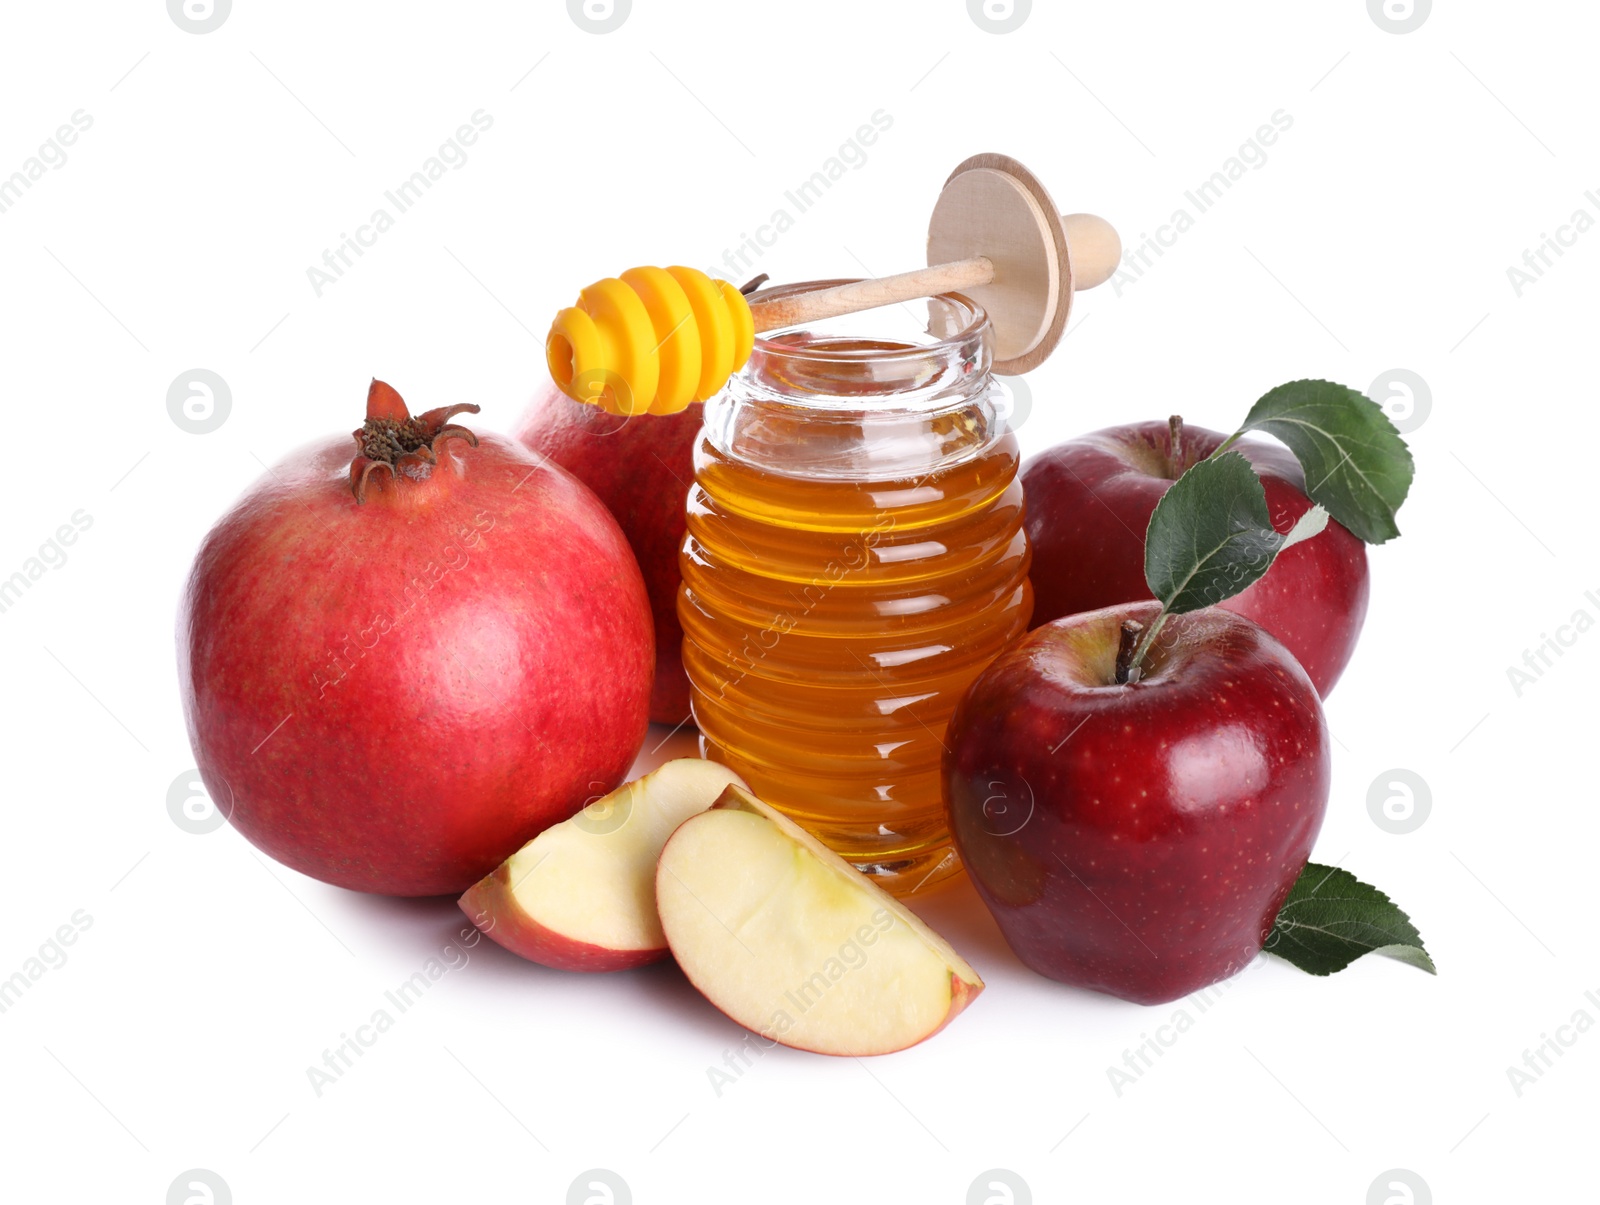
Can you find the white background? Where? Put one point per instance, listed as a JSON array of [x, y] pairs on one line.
[[1377, 235]]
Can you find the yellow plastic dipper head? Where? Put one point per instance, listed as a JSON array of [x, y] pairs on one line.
[[650, 342]]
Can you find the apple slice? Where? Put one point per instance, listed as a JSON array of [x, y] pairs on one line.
[[793, 943], [580, 896]]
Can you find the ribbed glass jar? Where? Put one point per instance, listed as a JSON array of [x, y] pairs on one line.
[[854, 558]]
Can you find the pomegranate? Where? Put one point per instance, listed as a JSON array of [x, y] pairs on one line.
[[398, 668]]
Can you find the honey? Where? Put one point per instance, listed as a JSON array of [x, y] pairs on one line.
[[854, 558]]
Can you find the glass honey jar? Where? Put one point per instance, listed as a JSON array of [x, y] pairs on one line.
[[854, 558]]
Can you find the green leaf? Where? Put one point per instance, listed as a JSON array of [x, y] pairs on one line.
[[1332, 918], [1210, 535], [1355, 462]]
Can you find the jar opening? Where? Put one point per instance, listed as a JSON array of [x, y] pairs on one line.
[[915, 361]]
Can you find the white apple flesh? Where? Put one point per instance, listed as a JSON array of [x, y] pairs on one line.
[[793, 943], [581, 895]]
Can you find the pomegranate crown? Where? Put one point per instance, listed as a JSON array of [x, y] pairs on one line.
[[392, 439]]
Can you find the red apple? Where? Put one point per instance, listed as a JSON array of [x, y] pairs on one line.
[[399, 667], [641, 468], [1089, 502], [1138, 839]]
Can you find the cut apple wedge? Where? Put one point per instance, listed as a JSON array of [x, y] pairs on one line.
[[581, 895], [790, 941]]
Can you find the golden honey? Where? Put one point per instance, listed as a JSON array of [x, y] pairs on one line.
[[854, 558]]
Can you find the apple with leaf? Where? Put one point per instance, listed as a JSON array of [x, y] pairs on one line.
[[1136, 790]]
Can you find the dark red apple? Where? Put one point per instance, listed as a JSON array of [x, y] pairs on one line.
[[1089, 502], [1138, 839], [641, 468], [399, 668]]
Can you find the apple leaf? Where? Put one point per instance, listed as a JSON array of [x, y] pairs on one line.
[[1211, 536], [1355, 462], [1332, 918]]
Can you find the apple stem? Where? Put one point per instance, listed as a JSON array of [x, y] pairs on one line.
[[1175, 431], [1126, 642], [1135, 668]]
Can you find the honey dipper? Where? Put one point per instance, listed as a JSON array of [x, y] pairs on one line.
[[656, 339]]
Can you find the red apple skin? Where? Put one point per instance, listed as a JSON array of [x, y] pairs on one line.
[[641, 468], [1138, 840], [1090, 499], [498, 651], [490, 904]]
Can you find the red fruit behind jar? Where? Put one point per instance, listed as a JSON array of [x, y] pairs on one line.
[[400, 667], [641, 468], [1091, 498]]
